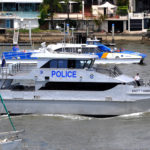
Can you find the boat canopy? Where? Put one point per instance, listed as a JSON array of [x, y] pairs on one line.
[[63, 55], [96, 42], [104, 48]]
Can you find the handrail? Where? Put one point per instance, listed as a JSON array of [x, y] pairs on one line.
[[113, 72]]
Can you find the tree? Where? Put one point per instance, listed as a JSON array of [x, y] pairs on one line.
[[122, 2], [47, 9], [98, 21], [122, 7], [68, 10]]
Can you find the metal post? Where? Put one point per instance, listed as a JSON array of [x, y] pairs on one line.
[[113, 30], [129, 22], [143, 22], [67, 28], [82, 9], [30, 36], [64, 35]]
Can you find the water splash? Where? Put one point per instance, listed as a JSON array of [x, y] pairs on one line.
[[66, 116], [132, 116]]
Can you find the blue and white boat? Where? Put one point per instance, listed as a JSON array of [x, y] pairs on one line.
[[104, 57], [22, 56], [105, 48]]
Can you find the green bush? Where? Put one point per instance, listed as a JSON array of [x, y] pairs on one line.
[[122, 10], [35, 30]]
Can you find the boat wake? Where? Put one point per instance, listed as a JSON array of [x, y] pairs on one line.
[[2, 117], [66, 116], [133, 115]]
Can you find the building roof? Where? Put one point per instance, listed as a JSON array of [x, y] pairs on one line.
[[21, 1], [107, 5]]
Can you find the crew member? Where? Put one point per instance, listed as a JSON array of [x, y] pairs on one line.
[[137, 79]]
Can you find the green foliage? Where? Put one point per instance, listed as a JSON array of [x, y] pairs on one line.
[[47, 9], [123, 2], [122, 10], [23, 31], [98, 21], [44, 11]]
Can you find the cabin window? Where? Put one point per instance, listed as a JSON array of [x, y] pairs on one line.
[[90, 42], [47, 65], [79, 64], [53, 64], [71, 63], [63, 63], [97, 43], [88, 63]]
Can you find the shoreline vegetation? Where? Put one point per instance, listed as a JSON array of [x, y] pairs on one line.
[[54, 36]]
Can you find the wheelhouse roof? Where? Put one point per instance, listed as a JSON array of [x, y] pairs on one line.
[[89, 40], [54, 47], [48, 55]]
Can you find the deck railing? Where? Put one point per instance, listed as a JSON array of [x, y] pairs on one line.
[[11, 69], [112, 72]]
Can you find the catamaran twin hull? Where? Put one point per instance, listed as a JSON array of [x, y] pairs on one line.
[[70, 102]]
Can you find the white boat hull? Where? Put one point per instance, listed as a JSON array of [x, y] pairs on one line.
[[95, 108], [77, 102], [11, 145], [118, 61]]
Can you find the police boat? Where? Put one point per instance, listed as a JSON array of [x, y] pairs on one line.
[[67, 83], [104, 56]]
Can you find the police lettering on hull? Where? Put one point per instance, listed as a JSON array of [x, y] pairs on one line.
[[64, 74]]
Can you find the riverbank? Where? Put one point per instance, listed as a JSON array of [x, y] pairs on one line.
[[54, 37]]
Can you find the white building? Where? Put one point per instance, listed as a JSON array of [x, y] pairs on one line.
[[139, 16], [19, 13]]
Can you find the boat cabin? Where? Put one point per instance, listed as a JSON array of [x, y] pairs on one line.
[[96, 42], [73, 48]]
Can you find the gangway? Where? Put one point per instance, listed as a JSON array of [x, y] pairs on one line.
[[15, 36]]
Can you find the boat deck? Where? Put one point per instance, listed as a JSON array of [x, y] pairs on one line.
[[16, 71]]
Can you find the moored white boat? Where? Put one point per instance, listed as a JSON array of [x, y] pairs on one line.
[[122, 52], [17, 55], [104, 57], [10, 140], [65, 83]]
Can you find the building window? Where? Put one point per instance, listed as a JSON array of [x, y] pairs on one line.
[[28, 7], [9, 6]]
